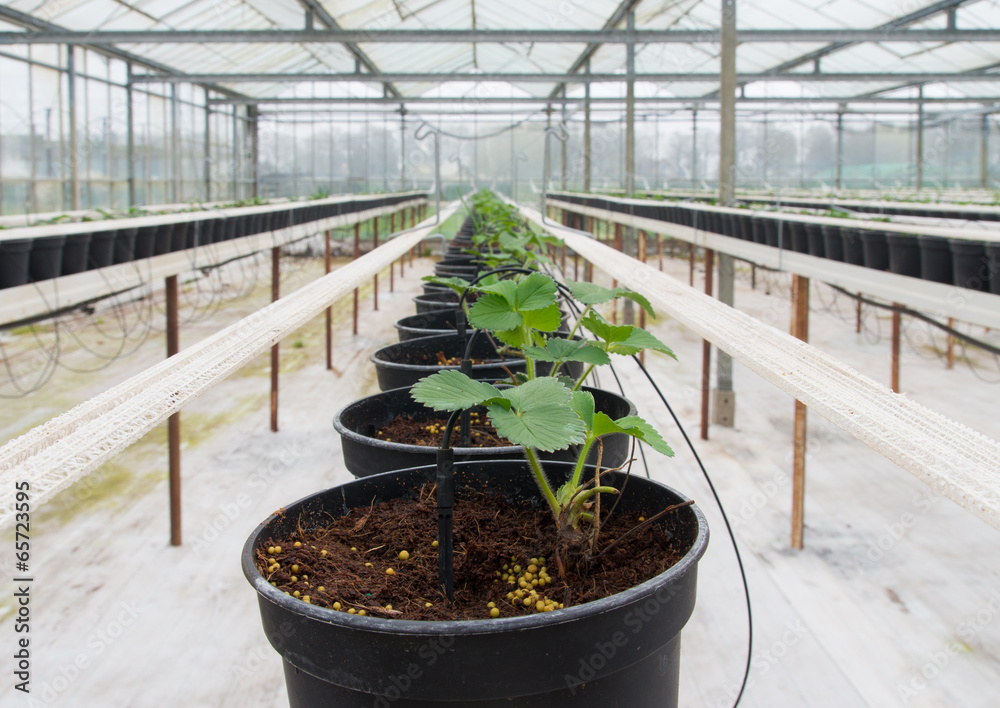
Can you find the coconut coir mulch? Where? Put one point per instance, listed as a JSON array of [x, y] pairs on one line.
[[350, 559], [428, 432]]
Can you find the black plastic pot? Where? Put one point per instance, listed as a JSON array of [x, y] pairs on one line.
[[904, 254], [365, 455], [993, 259], [622, 650], [427, 324], [14, 262], [444, 300], [854, 247], [759, 229], [970, 265], [179, 236], [74, 259], [145, 241], [876, 248], [102, 249], [125, 245], [164, 239], [777, 233], [833, 244], [796, 237], [814, 235], [45, 259], [935, 259], [393, 372]]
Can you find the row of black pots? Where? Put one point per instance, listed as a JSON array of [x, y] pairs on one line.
[[965, 263], [335, 658], [24, 260]]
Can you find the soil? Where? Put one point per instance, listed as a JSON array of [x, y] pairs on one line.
[[420, 358], [428, 431], [351, 559]]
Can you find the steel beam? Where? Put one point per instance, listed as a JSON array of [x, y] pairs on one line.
[[548, 78], [515, 36], [832, 101]]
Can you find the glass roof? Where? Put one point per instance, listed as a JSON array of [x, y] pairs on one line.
[[553, 58]]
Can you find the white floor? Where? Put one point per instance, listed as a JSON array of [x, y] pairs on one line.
[[894, 602]]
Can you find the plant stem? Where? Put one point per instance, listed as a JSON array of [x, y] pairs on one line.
[[578, 470], [576, 325], [543, 483], [584, 377], [529, 363]]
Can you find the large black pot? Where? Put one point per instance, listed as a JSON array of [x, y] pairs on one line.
[[45, 260], [904, 254], [125, 245], [164, 239], [993, 259], [623, 650], [970, 264], [876, 248], [365, 455], [833, 244], [796, 237], [817, 245], [392, 373], [443, 300], [426, 324], [145, 242], [102, 249], [935, 259], [853, 245], [14, 254], [75, 251], [179, 236]]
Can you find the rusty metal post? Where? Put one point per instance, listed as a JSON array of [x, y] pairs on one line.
[[392, 266], [857, 317], [895, 349], [563, 265], [800, 330], [659, 248], [275, 294], [328, 266], [576, 265], [374, 246], [951, 344], [691, 264], [706, 348], [174, 421], [357, 254]]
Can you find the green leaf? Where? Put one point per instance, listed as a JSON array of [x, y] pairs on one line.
[[494, 312], [635, 297], [583, 403], [535, 292], [604, 425], [569, 350], [452, 390], [542, 391], [511, 337], [546, 426], [637, 340], [593, 294], [546, 319], [507, 289], [641, 430], [456, 284]]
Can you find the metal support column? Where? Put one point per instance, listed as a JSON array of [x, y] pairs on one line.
[[586, 130], [357, 254], [253, 115], [74, 149], [839, 180], [175, 147], [919, 158], [208, 149], [630, 244], [800, 330], [174, 421], [130, 135], [694, 148], [706, 348], [895, 349], [984, 147], [328, 316], [724, 398], [374, 246], [275, 294]]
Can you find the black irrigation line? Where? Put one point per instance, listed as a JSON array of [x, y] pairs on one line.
[[921, 316]]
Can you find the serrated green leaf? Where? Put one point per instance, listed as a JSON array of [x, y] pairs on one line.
[[636, 298], [507, 289], [492, 311], [511, 337], [603, 425], [583, 403], [547, 426], [456, 284], [569, 350], [452, 390], [535, 292], [538, 392], [637, 340], [590, 293], [546, 319], [641, 430]]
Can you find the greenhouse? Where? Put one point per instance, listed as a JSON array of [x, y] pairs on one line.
[[456, 352]]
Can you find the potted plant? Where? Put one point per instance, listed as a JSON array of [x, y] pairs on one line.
[[519, 623]]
